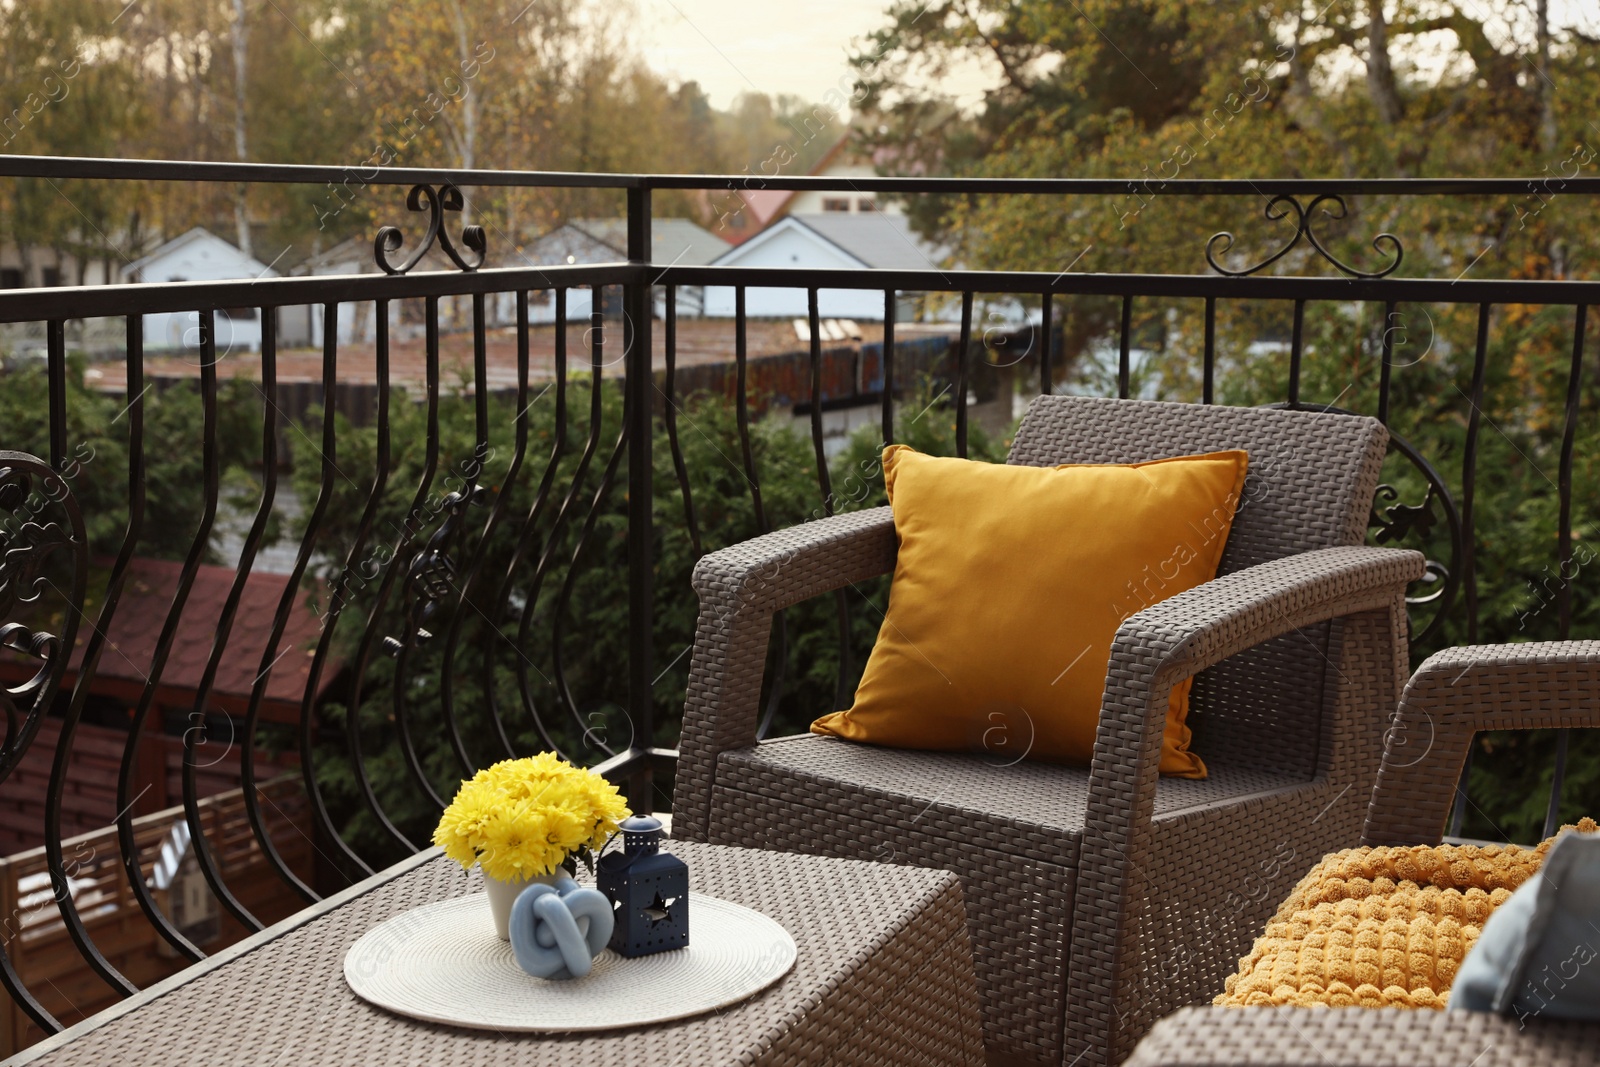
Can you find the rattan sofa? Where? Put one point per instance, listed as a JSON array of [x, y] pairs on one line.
[[1100, 898], [1453, 695]]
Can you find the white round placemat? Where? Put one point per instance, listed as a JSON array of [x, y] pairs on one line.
[[442, 963]]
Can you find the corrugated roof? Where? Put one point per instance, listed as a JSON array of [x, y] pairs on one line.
[[879, 240], [673, 240]]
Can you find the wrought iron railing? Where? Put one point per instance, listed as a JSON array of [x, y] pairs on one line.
[[429, 622]]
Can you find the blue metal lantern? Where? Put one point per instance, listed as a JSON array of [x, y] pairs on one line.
[[648, 890]]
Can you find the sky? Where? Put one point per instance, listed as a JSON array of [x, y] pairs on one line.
[[788, 46], [800, 46]]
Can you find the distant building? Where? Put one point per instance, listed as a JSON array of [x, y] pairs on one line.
[[672, 241], [763, 207], [576, 241], [199, 256], [852, 240], [302, 326], [841, 161]]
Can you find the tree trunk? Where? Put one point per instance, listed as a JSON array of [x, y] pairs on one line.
[[241, 40], [1548, 134], [1380, 75], [467, 135]]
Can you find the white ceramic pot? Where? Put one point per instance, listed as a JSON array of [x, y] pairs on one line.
[[504, 894]]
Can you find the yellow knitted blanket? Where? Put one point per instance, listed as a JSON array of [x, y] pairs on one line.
[[1381, 927]]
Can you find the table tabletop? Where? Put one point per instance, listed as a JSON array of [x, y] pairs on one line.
[[883, 976]]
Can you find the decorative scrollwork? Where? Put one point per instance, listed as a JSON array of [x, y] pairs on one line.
[[1279, 207], [1398, 522], [27, 543], [22, 562], [448, 197], [1395, 522], [432, 574]]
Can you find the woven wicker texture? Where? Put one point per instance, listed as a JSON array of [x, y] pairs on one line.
[[1353, 1037], [1099, 898], [1453, 695], [882, 977], [442, 963], [1381, 927]]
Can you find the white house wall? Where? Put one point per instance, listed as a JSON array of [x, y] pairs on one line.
[[793, 247], [205, 258], [809, 201]]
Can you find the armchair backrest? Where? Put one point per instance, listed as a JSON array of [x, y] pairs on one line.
[[1311, 480], [1310, 485]]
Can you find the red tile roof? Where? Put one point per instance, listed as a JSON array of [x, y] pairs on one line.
[[136, 626]]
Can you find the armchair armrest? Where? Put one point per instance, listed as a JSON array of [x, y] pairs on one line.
[[740, 588], [1455, 694], [1153, 651], [782, 568]]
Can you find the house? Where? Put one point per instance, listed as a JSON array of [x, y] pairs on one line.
[[762, 207], [676, 241], [301, 326], [603, 240], [830, 240], [199, 256], [842, 161]]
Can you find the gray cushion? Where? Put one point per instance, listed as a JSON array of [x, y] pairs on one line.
[[1537, 954]]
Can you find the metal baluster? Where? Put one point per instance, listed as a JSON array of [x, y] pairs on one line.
[[741, 356], [468, 494], [1386, 373], [353, 564], [552, 540], [329, 468], [126, 799], [41, 691], [1569, 430], [962, 350], [531, 524], [564, 593], [496, 514], [742, 409], [1296, 348], [269, 490], [1124, 350], [1469, 575], [398, 565], [1208, 380], [638, 387], [56, 368], [825, 482], [401, 647], [1469, 476], [209, 867], [1046, 329], [670, 413], [56, 354], [888, 366]]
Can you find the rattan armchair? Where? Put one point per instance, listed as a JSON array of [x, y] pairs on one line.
[[1099, 898], [1452, 696]]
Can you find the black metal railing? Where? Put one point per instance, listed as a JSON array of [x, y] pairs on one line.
[[450, 533]]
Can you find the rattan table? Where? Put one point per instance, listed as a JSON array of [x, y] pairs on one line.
[[884, 976]]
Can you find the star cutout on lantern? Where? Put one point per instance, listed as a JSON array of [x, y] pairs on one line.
[[658, 910]]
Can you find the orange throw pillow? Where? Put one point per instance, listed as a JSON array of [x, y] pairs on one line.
[[1010, 584]]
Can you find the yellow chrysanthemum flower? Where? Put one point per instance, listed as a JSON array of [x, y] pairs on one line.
[[524, 818]]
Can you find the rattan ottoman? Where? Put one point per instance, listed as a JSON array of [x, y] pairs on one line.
[[884, 976]]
